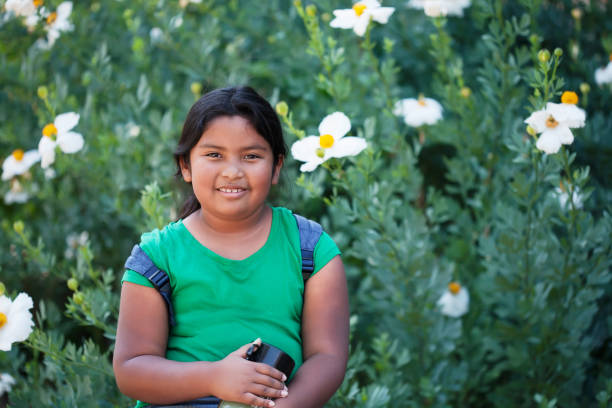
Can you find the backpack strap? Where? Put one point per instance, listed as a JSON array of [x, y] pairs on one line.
[[310, 232], [140, 262]]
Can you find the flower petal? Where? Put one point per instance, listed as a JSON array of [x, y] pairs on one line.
[[64, 10], [311, 165], [454, 305], [336, 124], [345, 18], [66, 121], [46, 148], [347, 146], [537, 120], [382, 14], [567, 114], [306, 149], [361, 25], [70, 142], [549, 142]]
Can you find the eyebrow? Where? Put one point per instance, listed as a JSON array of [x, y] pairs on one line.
[[212, 146]]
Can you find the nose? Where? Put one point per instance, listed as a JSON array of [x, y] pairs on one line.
[[232, 171]]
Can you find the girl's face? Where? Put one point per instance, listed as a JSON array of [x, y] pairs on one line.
[[231, 169]]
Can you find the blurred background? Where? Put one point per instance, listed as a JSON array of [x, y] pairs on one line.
[[478, 265]]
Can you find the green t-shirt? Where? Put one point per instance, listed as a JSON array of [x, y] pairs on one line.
[[221, 304]]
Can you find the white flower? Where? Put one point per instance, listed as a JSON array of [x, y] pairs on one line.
[[18, 163], [360, 15], [437, 8], [604, 75], [49, 173], [15, 320], [133, 130], [58, 134], [16, 194], [554, 123], [6, 383], [73, 242], [58, 22], [314, 150], [455, 301], [184, 3], [156, 34], [418, 112], [563, 195], [23, 8]]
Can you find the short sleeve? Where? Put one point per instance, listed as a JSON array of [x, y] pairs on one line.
[[150, 243], [134, 277], [324, 252]]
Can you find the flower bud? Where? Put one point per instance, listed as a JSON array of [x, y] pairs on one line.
[[531, 131], [534, 39], [19, 227], [196, 88], [73, 284], [466, 92], [297, 3], [282, 108], [311, 10], [536, 92], [585, 88], [320, 152], [544, 55], [2, 289], [577, 13], [558, 52], [78, 298], [42, 92]]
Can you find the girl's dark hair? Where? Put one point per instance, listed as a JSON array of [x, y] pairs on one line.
[[240, 101]]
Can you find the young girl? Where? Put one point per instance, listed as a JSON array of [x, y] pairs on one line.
[[234, 265]]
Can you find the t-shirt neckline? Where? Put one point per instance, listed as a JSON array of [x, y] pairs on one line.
[[197, 244]]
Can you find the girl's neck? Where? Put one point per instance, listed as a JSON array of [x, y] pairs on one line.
[[222, 226], [232, 239]]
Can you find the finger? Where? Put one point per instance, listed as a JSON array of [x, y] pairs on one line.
[[254, 400], [243, 349], [265, 369], [269, 382], [269, 392]]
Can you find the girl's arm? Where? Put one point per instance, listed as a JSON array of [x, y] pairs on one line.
[[325, 336], [142, 371]]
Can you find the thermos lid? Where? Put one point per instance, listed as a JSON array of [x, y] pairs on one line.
[[272, 356]]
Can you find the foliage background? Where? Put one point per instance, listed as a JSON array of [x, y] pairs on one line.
[[475, 203]]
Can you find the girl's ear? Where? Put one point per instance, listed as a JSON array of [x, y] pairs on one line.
[[185, 170], [277, 169]]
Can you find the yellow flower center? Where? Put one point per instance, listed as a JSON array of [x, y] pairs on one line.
[[49, 130], [51, 18], [569, 97], [326, 141], [3, 319], [18, 154], [421, 100], [359, 8], [38, 3], [551, 122], [454, 287]]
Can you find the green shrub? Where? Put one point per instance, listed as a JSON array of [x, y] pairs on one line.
[[469, 199]]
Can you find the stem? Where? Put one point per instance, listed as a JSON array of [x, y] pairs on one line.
[[369, 47]]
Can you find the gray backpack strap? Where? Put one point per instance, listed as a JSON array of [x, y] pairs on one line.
[[140, 262], [310, 232]]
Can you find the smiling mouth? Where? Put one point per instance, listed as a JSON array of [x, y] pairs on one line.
[[231, 189]]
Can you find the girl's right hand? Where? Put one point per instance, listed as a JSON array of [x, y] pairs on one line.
[[239, 380]]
